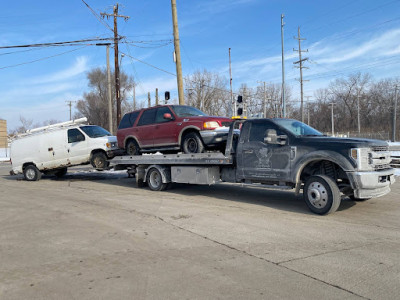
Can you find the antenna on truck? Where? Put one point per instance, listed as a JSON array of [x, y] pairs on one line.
[[63, 124]]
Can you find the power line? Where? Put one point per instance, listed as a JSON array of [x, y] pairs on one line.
[[98, 17], [73, 43]]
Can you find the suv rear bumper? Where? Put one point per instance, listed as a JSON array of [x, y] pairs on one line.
[[371, 184]]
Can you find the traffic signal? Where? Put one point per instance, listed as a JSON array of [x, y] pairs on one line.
[[240, 105], [239, 99], [240, 111], [166, 96]]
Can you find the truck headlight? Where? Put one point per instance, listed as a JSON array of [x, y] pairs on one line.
[[361, 158]]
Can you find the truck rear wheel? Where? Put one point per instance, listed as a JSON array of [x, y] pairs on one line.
[[31, 173], [154, 180], [321, 194]]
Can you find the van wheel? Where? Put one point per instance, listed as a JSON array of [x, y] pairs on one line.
[[99, 161], [132, 148], [31, 173], [192, 143], [321, 194], [154, 180], [61, 172]]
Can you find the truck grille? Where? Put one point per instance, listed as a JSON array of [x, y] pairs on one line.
[[380, 148], [382, 167]]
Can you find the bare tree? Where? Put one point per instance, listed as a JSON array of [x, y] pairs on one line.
[[94, 105], [207, 92]]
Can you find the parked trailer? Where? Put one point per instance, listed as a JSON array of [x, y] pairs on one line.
[[279, 154]]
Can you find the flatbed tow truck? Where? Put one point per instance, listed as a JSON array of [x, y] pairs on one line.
[[278, 154]]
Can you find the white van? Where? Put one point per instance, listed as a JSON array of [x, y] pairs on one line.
[[54, 148]]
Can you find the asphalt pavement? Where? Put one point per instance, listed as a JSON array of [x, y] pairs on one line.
[[95, 235]]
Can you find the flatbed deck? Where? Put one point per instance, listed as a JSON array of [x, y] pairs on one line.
[[214, 158]]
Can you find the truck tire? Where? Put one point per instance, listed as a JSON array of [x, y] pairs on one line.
[[192, 143], [31, 173], [61, 172], [99, 161], [321, 194], [132, 148], [154, 180]]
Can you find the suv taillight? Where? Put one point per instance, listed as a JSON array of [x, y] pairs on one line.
[[211, 125]]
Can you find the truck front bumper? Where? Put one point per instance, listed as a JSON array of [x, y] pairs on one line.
[[371, 184]]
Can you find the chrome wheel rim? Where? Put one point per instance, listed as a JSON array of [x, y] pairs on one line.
[[30, 174], [317, 195], [155, 179]]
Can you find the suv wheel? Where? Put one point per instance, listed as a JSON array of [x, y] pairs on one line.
[[132, 148], [192, 143]]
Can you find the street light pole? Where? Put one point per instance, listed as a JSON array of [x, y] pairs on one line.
[[394, 114], [333, 123]]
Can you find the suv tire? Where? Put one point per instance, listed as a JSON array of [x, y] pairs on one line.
[[192, 143], [132, 148]]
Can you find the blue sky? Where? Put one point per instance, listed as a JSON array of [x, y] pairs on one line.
[[342, 37]]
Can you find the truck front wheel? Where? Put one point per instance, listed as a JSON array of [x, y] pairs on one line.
[[154, 180], [321, 194], [31, 173]]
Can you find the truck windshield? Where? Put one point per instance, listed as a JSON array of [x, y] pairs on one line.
[[95, 131], [187, 111], [298, 128]]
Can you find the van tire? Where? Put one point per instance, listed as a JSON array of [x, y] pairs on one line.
[[31, 173], [192, 143], [61, 172], [132, 148], [99, 161]]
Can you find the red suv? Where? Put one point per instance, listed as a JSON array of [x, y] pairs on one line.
[[171, 127]]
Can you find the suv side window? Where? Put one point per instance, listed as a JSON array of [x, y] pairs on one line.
[[74, 135], [147, 117], [128, 120], [160, 114]]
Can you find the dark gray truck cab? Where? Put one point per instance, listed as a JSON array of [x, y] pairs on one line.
[[278, 153]]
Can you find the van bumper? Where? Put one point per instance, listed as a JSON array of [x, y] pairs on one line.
[[371, 184]]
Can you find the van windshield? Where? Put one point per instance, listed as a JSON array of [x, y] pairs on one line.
[[95, 131]]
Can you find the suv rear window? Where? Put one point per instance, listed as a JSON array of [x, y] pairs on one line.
[[148, 117], [128, 120]]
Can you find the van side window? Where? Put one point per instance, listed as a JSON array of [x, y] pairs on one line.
[[74, 135], [148, 117], [128, 120]]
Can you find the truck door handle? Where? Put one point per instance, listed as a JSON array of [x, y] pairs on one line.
[[248, 151]]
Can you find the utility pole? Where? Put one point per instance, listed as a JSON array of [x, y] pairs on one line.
[[177, 53], [308, 109], [358, 113], [301, 67], [134, 96], [230, 82], [156, 96], [394, 114], [283, 70], [148, 100], [69, 103], [110, 127], [333, 123], [116, 40], [265, 99]]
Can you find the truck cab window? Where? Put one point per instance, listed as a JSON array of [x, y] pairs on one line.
[[74, 135]]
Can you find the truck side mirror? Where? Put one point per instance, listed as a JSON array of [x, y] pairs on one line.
[[274, 139]]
